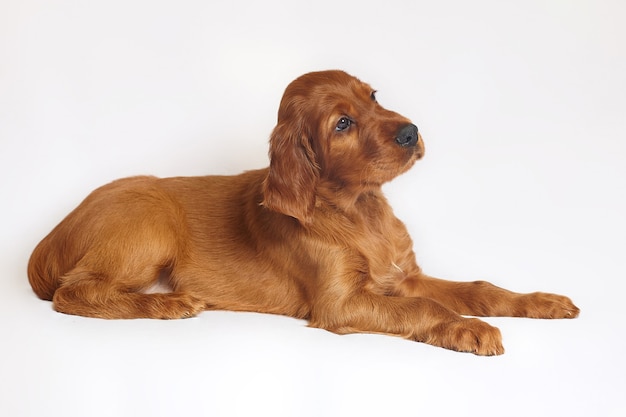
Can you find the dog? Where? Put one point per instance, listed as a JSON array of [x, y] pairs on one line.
[[311, 237]]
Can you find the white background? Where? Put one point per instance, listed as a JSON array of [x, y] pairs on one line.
[[522, 106]]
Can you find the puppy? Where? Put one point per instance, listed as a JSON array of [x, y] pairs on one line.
[[311, 236]]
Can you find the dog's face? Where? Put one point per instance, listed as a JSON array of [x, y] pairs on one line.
[[365, 144], [331, 129]]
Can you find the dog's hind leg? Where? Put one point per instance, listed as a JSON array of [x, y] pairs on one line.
[[90, 294]]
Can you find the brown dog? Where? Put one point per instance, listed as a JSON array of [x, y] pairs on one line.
[[312, 236]]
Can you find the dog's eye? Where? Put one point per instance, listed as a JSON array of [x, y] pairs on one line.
[[373, 96], [343, 124]]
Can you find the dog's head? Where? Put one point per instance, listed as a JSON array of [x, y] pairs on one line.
[[331, 131]]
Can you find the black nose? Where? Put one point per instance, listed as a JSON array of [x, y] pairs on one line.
[[407, 136]]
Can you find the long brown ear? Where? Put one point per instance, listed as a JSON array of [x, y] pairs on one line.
[[289, 188]]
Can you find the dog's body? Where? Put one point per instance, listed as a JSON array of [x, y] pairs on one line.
[[311, 236]]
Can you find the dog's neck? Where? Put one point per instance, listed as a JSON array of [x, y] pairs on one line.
[[345, 198]]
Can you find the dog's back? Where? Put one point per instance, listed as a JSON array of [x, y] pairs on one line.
[[212, 230]]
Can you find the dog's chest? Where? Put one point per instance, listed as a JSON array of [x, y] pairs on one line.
[[381, 243], [371, 238], [381, 252]]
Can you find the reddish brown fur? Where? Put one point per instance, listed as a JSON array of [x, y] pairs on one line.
[[312, 237]]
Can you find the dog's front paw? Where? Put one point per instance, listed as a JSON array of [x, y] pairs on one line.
[[468, 335], [547, 306]]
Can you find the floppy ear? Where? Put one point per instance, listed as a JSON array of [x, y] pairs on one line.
[[289, 187]]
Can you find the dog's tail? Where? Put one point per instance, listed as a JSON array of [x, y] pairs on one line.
[[45, 267]]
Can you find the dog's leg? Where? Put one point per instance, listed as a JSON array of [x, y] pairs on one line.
[[85, 293], [480, 298], [418, 319]]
